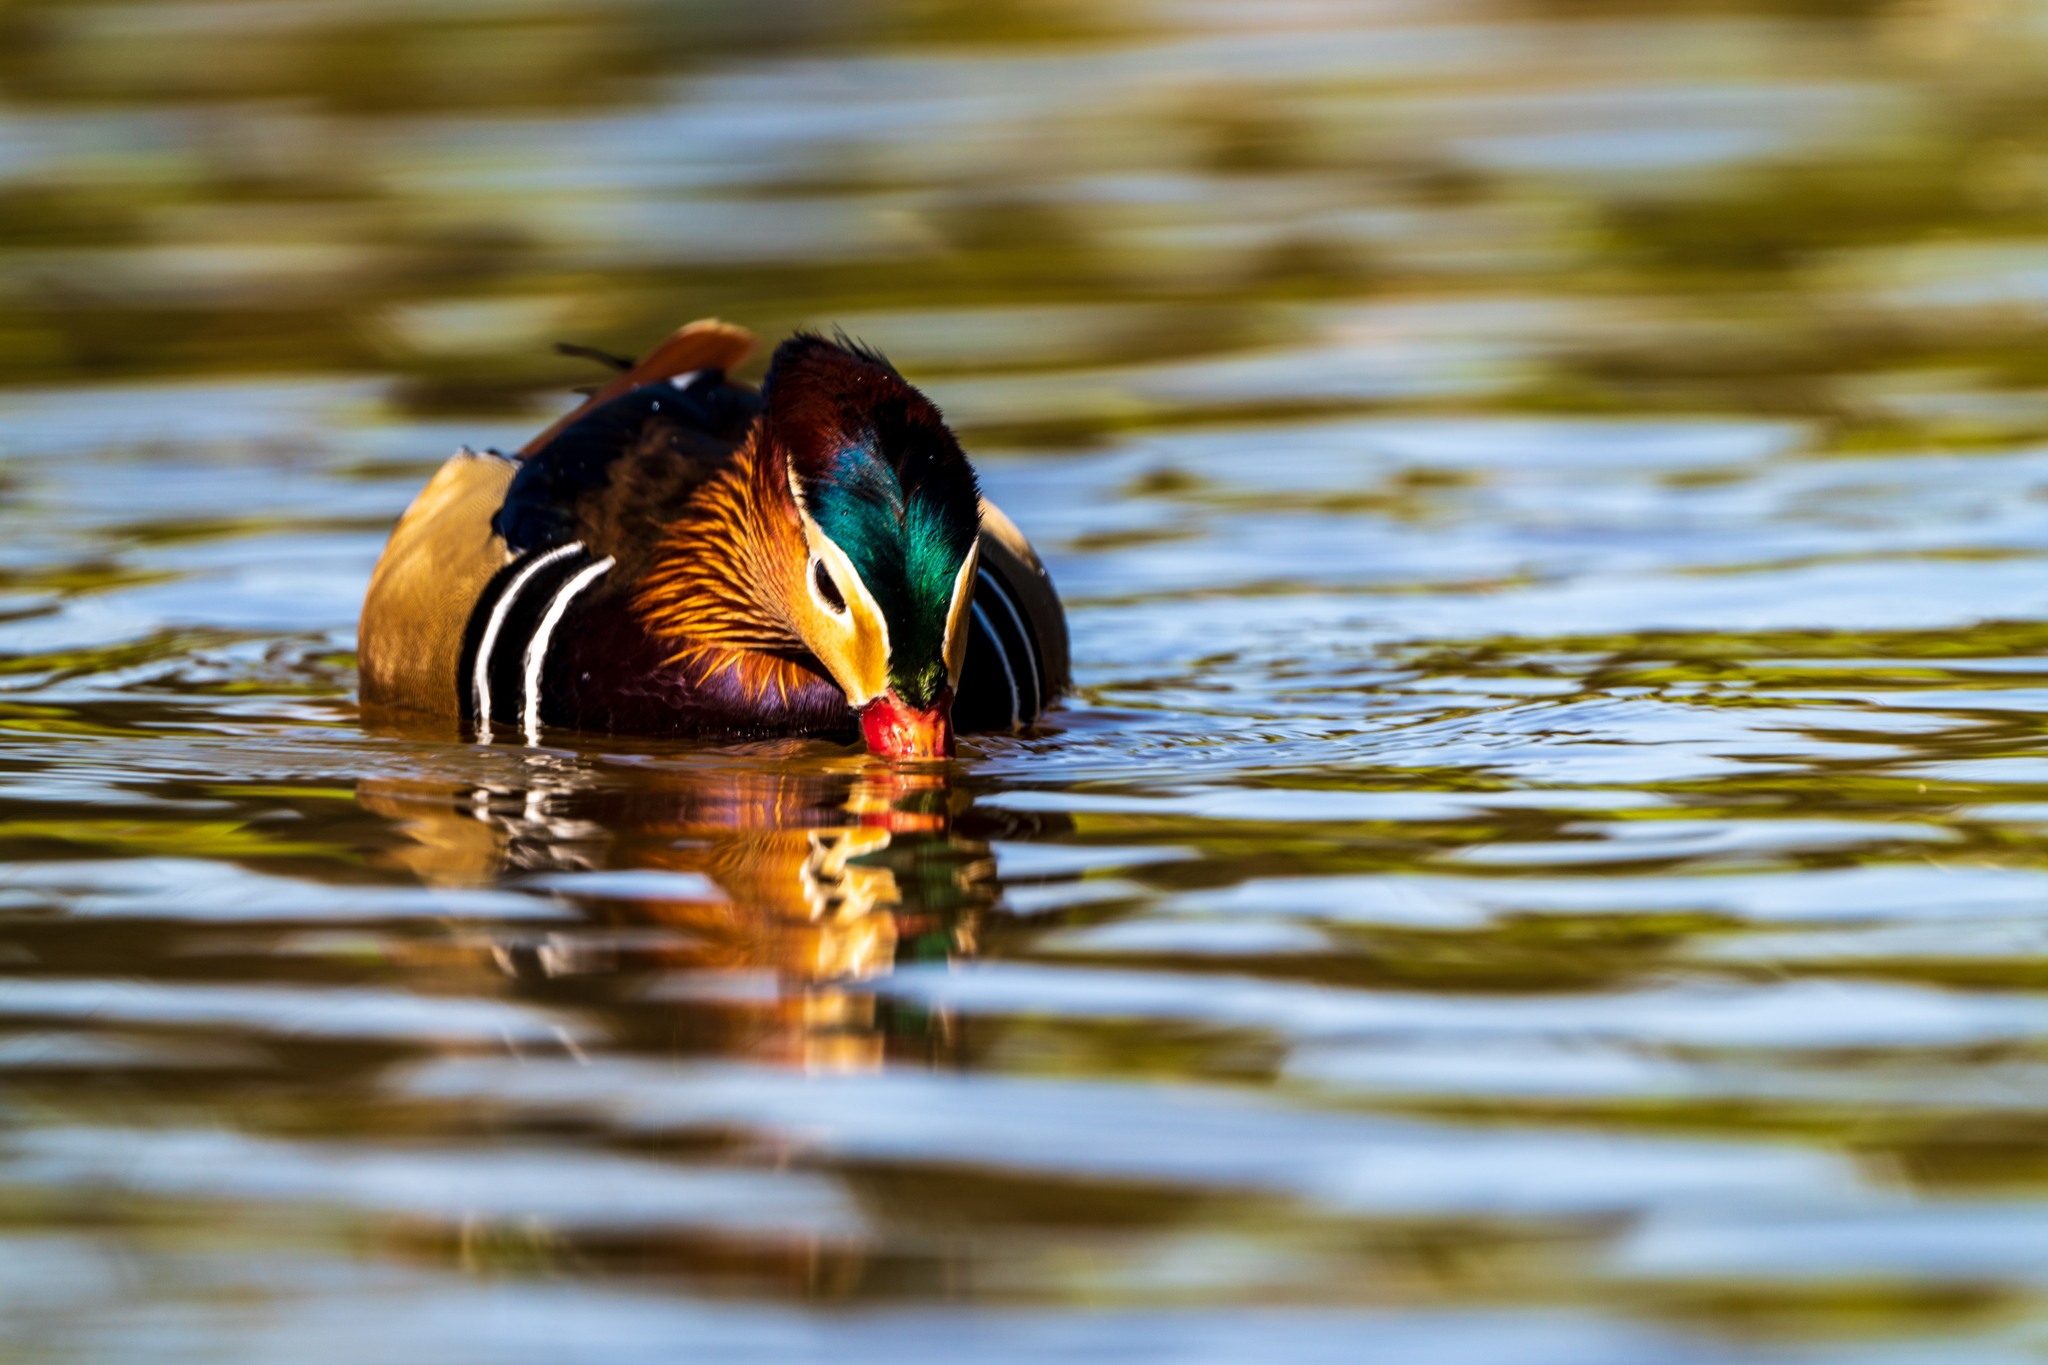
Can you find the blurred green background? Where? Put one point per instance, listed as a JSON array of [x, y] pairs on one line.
[[1824, 208]]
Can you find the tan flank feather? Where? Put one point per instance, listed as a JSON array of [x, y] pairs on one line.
[[409, 640]]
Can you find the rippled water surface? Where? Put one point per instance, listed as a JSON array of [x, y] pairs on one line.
[[1548, 861]]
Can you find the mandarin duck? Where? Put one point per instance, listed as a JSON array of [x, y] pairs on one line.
[[684, 555]]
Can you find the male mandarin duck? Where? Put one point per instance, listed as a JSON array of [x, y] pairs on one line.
[[684, 555]]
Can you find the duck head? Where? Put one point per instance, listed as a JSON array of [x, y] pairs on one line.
[[891, 521]]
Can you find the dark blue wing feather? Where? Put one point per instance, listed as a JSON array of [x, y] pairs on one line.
[[541, 506]]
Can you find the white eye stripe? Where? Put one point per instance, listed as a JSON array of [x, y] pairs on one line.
[[820, 579], [861, 618], [844, 577]]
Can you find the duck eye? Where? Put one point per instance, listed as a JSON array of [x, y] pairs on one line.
[[828, 591]]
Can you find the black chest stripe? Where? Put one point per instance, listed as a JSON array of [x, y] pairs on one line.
[[1006, 612], [988, 631], [536, 659], [510, 628]]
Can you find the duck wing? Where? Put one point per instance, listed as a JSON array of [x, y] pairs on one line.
[[626, 463], [607, 474], [706, 344]]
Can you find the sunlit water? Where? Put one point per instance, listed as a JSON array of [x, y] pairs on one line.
[[1546, 863]]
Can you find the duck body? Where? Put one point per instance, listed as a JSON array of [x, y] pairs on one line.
[[689, 556]]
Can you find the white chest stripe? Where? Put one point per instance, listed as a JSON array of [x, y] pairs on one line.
[[1030, 655], [537, 647], [1003, 657], [481, 680]]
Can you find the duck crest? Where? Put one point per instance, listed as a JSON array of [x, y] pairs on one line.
[[844, 441], [872, 462]]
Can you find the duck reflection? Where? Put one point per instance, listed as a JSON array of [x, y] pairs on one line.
[[769, 892]]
